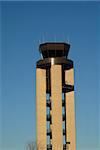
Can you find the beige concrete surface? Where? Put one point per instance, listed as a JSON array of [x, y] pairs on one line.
[[70, 111], [69, 76], [56, 102], [41, 109]]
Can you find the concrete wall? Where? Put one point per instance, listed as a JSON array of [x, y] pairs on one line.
[[56, 103], [70, 111], [41, 109]]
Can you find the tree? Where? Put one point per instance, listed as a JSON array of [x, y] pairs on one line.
[[31, 146], [34, 146]]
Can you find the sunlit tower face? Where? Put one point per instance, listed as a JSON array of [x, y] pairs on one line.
[[55, 120]]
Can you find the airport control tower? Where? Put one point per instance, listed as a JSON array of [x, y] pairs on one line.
[[55, 113]]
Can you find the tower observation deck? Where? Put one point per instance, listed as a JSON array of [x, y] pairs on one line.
[[55, 114]]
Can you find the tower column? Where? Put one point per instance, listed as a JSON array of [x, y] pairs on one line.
[[56, 104], [41, 108], [70, 111], [55, 81]]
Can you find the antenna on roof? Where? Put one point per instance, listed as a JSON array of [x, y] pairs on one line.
[[39, 42], [43, 37], [68, 39], [55, 39], [63, 37]]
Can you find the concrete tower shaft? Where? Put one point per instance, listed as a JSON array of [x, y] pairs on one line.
[[55, 98]]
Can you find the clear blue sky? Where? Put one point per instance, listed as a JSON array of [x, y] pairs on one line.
[[24, 26]]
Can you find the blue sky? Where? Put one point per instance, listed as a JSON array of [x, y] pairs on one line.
[[23, 26]]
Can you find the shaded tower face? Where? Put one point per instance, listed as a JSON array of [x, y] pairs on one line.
[[55, 98]]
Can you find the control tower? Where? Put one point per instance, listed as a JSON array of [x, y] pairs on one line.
[[55, 113]]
